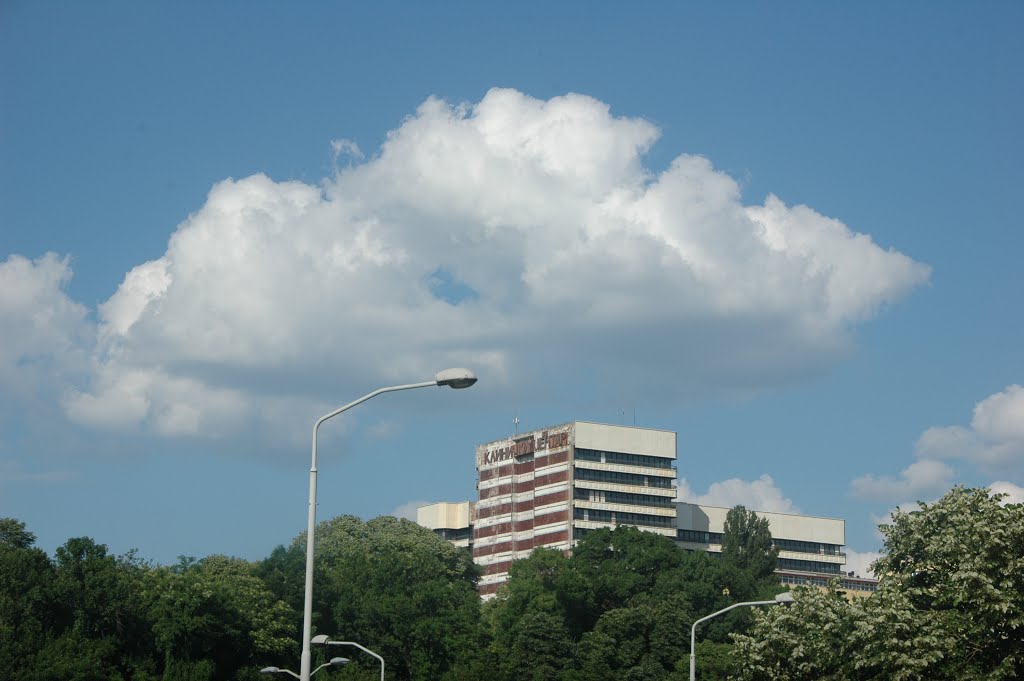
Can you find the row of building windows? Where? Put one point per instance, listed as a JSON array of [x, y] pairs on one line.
[[625, 459], [610, 497], [806, 547], [623, 478], [810, 580], [456, 534], [807, 566], [617, 517], [700, 537], [782, 544]]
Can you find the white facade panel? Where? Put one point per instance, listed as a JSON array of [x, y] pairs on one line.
[[630, 440], [782, 525], [444, 515]]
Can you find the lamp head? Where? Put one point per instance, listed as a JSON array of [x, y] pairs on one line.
[[269, 670], [456, 378], [320, 640], [338, 661], [785, 598]]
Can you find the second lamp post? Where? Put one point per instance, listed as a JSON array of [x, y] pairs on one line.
[[453, 378]]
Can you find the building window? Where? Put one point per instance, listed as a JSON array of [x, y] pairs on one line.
[[807, 566], [622, 478], [798, 546], [454, 534], [625, 498], [639, 519], [699, 536], [624, 459]]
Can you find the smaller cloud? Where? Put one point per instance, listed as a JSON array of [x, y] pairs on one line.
[[343, 147], [408, 509], [40, 326], [859, 562], [919, 478], [761, 494], [1014, 493], [994, 441]]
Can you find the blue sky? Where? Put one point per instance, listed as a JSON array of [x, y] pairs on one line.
[[789, 234]]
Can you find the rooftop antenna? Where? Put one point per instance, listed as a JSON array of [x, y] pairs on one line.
[[515, 422]]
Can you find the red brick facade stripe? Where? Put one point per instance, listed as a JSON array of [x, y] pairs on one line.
[[500, 547], [524, 544], [497, 568], [491, 531], [524, 467], [499, 472], [552, 459], [551, 478], [543, 539], [496, 491], [491, 511]]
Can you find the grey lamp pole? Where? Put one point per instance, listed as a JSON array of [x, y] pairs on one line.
[[781, 599], [323, 639], [454, 378]]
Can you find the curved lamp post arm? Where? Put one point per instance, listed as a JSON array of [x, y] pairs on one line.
[[453, 378], [307, 618], [365, 650], [693, 630]]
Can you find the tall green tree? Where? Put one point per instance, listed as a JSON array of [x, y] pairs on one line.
[[27, 602], [214, 618], [547, 581], [624, 563], [102, 631], [950, 604], [398, 589], [747, 542]]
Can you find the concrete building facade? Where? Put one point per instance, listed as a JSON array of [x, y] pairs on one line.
[[551, 486], [449, 520], [810, 548]]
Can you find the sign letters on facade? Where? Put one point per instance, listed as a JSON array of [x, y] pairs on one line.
[[524, 446]]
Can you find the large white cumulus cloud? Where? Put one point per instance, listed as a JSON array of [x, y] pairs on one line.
[[518, 236]]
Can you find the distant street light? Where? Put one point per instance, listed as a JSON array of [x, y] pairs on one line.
[[323, 639], [453, 378], [782, 599], [334, 662]]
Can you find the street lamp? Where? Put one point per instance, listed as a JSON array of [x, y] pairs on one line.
[[323, 639], [453, 378], [334, 662], [784, 598]]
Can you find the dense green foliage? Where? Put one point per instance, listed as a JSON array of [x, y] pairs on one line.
[[747, 542], [87, 615], [619, 608], [951, 606]]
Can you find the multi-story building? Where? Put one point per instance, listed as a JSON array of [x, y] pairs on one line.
[[451, 521], [810, 548], [551, 486]]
